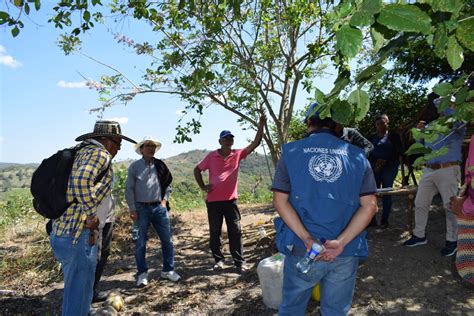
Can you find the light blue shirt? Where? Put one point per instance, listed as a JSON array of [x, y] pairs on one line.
[[453, 141], [142, 184]]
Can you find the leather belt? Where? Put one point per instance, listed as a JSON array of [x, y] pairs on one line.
[[442, 165]]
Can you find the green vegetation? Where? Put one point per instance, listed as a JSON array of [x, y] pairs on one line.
[[254, 183]]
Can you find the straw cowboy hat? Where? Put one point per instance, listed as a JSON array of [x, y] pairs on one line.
[[147, 139], [105, 129]]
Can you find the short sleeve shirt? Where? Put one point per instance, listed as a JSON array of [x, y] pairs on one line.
[[223, 174]]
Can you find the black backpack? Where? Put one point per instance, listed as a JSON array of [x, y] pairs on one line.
[[50, 180]]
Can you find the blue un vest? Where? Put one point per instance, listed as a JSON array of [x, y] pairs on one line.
[[326, 175]]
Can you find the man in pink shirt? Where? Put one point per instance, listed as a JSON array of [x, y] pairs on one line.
[[223, 165]]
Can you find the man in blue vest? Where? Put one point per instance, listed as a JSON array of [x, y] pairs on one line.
[[323, 188]]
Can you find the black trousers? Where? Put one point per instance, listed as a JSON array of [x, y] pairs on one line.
[[104, 253], [216, 212]]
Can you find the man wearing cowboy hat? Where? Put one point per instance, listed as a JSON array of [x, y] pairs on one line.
[[73, 236], [147, 191]]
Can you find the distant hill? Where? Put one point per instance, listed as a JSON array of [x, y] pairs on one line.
[[19, 175]]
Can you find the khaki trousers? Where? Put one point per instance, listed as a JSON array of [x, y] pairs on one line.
[[444, 181]]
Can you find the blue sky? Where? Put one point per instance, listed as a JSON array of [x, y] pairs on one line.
[[44, 102]]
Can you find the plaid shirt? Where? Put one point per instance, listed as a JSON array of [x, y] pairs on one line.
[[85, 196]]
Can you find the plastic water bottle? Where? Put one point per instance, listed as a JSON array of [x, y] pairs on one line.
[[135, 232], [304, 265]]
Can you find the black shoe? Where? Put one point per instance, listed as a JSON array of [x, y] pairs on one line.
[[450, 249], [242, 269], [99, 296]]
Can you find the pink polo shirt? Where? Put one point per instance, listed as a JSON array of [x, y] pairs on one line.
[[223, 174]]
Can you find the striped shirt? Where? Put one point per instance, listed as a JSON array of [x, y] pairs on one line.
[[85, 196]]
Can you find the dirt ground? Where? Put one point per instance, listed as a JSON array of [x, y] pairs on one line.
[[393, 280]]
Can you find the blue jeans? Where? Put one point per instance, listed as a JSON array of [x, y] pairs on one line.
[[78, 263], [337, 280], [158, 216], [385, 178]]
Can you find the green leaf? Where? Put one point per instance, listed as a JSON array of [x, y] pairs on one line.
[[427, 157], [37, 5], [465, 33], [405, 18], [377, 39], [368, 72], [349, 41], [462, 94], [19, 4], [4, 16], [86, 16], [372, 6], [362, 18], [340, 83], [361, 100], [443, 89], [344, 8], [417, 148], [320, 96], [440, 40], [455, 53], [27, 8], [447, 5], [15, 31], [341, 111]]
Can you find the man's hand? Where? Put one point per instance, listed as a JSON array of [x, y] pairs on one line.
[[207, 188], [92, 222], [333, 249], [133, 215], [421, 125]]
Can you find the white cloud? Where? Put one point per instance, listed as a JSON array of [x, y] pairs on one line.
[[120, 120], [8, 60], [72, 85], [1, 139]]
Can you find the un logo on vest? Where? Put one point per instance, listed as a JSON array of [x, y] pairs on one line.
[[325, 168]]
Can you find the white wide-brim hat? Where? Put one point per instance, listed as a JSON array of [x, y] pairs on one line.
[[147, 139]]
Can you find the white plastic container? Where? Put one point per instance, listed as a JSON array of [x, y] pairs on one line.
[[270, 274]]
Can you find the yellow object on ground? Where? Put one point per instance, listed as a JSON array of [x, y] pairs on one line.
[[316, 294]]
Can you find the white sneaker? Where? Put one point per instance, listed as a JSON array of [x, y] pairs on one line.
[[171, 275], [142, 279]]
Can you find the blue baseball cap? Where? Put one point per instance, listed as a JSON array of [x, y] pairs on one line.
[[312, 113], [224, 134]]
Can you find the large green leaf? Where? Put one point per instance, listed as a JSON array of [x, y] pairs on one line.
[[443, 89], [349, 41], [372, 6], [417, 148], [447, 5], [362, 18], [377, 39], [465, 33], [341, 111], [361, 100], [405, 18], [440, 40], [455, 53]]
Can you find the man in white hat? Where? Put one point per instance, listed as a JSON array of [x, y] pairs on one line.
[[147, 191], [73, 235]]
